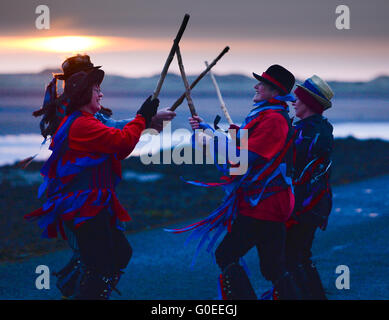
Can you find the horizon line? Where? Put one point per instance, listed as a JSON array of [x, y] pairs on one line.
[[48, 69]]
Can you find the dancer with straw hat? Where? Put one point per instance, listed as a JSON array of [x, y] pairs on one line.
[[312, 168]]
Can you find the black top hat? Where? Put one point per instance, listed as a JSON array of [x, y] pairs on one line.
[[278, 77], [76, 86], [75, 64]]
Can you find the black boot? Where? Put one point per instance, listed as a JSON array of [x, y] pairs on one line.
[[302, 280], [235, 284], [93, 286], [314, 284], [286, 288], [115, 280], [68, 277]]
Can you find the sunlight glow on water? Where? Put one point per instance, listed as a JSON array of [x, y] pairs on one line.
[[17, 147], [368, 130]]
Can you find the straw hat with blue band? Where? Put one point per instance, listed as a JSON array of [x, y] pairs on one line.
[[315, 93]]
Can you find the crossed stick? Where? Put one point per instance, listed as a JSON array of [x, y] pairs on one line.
[[170, 56], [176, 50], [188, 87], [202, 74], [186, 83], [173, 50]]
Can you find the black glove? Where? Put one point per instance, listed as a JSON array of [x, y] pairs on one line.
[[148, 109]]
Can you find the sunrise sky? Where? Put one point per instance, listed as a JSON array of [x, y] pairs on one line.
[[133, 37]]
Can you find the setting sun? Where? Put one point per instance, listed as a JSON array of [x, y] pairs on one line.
[[75, 44], [65, 44], [55, 44]]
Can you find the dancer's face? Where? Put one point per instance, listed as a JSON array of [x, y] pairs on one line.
[[94, 105], [264, 92], [301, 109]]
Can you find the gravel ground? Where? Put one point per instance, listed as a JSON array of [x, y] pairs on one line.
[[357, 236]]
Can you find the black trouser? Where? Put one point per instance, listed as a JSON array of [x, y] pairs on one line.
[[298, 260], [102, 246], [267, 236], [299, 239]]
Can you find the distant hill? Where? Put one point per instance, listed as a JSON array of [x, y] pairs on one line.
[[231, 85]]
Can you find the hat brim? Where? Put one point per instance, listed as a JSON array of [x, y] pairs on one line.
[[95, 77], [62, 76], [325, 103], [262, 79]]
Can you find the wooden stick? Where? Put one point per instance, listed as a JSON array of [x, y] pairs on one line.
[[219, 95], [181, 99], [186, 83], [170, 56]]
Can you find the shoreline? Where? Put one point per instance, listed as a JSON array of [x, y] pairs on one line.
[[15, 147], [155, 195]]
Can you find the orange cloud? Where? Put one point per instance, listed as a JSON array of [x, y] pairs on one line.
[[81, 44], [52, 44], [78, 43]]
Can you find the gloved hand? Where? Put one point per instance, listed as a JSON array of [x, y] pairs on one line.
[[148, 109], [234, 127]]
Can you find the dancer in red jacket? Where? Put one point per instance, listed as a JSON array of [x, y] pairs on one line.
[[260, 201], [53, 112], [79, 180]]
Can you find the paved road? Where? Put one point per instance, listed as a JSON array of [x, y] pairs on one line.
[[357, 236]]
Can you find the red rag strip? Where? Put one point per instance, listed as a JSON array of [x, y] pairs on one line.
[[307, 175], [224, 297], [312, 203], [278, 159], [62, 231]]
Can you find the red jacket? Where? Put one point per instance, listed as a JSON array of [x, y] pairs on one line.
[[267, 139], [90, 135], [80, 176]]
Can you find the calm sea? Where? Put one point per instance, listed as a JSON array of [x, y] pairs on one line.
[[20, 138]]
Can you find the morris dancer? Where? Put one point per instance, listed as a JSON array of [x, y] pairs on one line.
[[80, 178], [260, 201], [313, 197], [53, 112]]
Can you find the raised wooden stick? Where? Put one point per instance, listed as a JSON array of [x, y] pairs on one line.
[[186, 83], [181, 99], [170, 57], [219, 95]]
